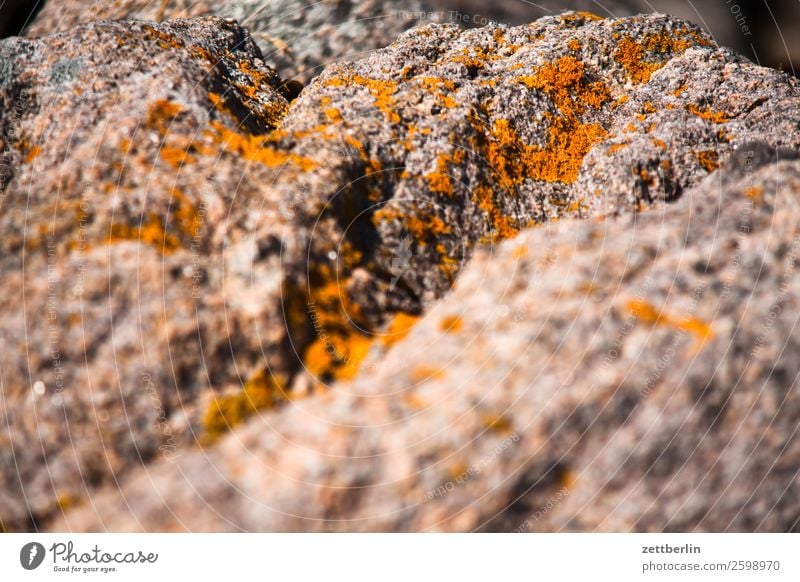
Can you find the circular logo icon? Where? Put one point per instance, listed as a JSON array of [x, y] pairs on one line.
[[31, 555]]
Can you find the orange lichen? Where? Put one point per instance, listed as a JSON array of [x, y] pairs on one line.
[[258, 79], [451, 324], [413, 401], [255, 148], [176, 157], [423, 224], [563, 80], [333, 114], [326, 326], [337, 357], [32, 154], [660, 143], [568, 138], [442, 88], [709, 159], [424, 372], [150, 232], [373, 165], [448, 266], [399, 328], [65, 501], [502, 226], [382, 92], [163, 233], [439, 180], [261, 391], [615, 147], [164, 39], [566, 479], [559, 161], [498, 423], [341, 338], [753, 192], [578, 17], [125, 146], [161, 113], [621, 100], [472, 61], [186, 215], [631, 53], [219, 104], [647, 313], [712, 116], [255, 89], [499, 36]]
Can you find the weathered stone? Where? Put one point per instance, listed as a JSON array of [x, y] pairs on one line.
[[113, 228], [185, 248], [627, 374], [677, 127], [297, 38]]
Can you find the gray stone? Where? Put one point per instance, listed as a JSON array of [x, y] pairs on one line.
[[297, 38]]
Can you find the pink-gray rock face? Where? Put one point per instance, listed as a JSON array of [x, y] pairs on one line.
[[189, 243], [300, 38], [110, 296], [297, 38], [616, 375]]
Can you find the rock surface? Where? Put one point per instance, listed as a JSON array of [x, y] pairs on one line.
[[615, 375], [298, 38], [189, 243], [110, 289]]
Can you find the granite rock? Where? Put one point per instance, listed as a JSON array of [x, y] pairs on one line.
[[189, 243], [110, 290], [297, 38]]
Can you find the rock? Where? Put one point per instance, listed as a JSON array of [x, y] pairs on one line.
[[218, 245], [761, 35], [297, 38], [120, 167], [300, 38], [677, 128], [112, 273], [628, 374]]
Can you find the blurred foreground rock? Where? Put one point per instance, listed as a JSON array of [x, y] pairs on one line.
[[615, 375]]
